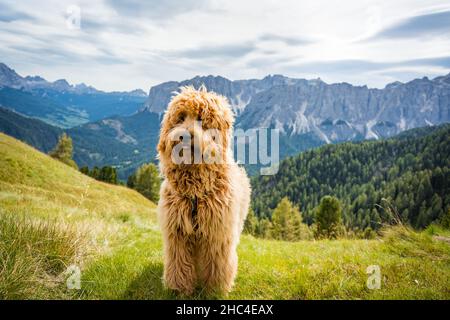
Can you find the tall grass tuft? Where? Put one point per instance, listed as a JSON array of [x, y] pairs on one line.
[[34, 255], [406, 243]]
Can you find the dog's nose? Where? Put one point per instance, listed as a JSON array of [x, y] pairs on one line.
[[192, 132], [195, 135], [195, 139]]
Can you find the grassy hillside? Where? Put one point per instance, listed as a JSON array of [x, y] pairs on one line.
[[41, 196], [52, 216], [35, 132]]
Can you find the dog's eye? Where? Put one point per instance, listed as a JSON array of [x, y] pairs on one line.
[[199, 117], [181, 118]]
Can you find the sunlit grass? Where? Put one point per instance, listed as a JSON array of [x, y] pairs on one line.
[[34, 254], [53, 216]]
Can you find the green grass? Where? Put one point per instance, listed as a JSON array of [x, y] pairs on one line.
[[33, 256], [52, 216], [415, 267]]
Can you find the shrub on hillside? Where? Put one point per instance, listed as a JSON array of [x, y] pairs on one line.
[[287, 222], [106, 174], [445, 220], [146, 180], [63, 151]]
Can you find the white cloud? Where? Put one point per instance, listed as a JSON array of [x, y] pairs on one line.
[[126, 45]]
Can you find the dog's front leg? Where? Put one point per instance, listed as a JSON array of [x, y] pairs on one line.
[[176, 225], [216, 246], [179, 265]]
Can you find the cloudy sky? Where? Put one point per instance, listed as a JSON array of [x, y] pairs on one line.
[[118, 45]]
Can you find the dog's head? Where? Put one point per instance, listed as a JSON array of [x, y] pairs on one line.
[[195, 131]]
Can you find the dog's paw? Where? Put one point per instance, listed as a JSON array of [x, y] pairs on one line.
[[178, 289]]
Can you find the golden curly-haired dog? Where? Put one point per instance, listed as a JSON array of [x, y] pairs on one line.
[[203, 204]]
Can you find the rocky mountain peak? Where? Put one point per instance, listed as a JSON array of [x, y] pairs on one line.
[[9, 77], [35, 79]]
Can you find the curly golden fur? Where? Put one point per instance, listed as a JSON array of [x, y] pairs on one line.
[[202, 207]]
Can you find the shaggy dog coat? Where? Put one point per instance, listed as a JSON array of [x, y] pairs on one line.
[[202, 207]]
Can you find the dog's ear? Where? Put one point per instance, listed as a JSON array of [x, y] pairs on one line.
[[163, 133], [161, 145]]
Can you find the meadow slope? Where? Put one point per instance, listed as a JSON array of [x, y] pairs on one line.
[[53, 217]]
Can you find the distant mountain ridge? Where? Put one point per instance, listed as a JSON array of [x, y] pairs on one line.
[[238, 92], [10, 78], [62, 104]]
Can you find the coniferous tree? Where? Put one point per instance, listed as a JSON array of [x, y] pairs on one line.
[[108, 174], [148, 181], [131, 181], [251, 223], [445, 220], [85, 170], [63, 151], [287, 222], [95, 173], [328, 217], [265, 228]]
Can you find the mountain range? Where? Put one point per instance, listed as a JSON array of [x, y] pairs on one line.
[[334, 112], [60, 103], [121, 128], [310, 113]]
